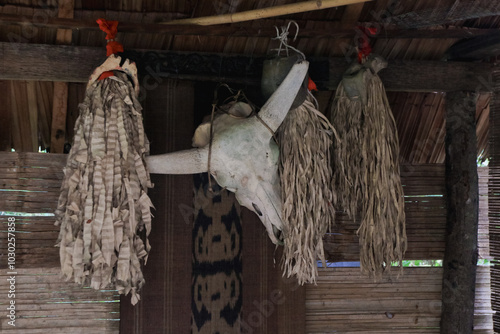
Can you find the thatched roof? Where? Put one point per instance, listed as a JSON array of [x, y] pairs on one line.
[[407, 30]]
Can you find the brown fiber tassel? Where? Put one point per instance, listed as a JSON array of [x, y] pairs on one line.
[[104, 210], [366, 170], [305, 139]]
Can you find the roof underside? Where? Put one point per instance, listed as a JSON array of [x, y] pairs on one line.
[[427, 29]]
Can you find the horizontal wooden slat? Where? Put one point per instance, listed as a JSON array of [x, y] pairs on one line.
[[344, 301], [46, 303], [425, 217]]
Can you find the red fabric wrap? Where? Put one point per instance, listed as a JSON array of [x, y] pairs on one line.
[[311, 85], [112, 47], [364, 46]]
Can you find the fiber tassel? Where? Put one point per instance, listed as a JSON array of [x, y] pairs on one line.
[[305, 139], [104, 210], [366, 168]]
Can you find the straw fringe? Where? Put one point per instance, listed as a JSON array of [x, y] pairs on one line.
[[104, 210], [366, 174], [305, 139]]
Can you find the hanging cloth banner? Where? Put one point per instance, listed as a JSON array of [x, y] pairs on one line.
[[217, 263]]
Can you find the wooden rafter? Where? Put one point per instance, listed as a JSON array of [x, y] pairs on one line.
[[262, 28]]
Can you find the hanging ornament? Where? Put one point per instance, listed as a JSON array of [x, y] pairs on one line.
[[366, 165], [304, 139], [104, 210]]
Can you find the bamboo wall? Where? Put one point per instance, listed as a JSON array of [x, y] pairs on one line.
[[342, 296], [30, 183], [344, 301], [494, 196], [425, 209]]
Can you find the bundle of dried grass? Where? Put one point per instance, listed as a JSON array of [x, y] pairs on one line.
[[104, 210], [366, 168], [305, 139]]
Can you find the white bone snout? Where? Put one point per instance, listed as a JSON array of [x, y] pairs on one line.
[[244, 157]]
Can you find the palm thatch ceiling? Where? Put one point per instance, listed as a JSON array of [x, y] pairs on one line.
[[405, 30]]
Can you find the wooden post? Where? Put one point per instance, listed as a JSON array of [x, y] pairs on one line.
[[460, 258], [5, 116], [60, 105]]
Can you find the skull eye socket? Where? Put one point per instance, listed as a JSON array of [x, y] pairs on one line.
[[257, 210]]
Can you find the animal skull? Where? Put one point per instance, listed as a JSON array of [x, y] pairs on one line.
[[244, 157]]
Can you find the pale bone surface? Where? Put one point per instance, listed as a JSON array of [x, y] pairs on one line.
[[244, 157]]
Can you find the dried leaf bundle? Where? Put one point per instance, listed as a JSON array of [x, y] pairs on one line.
[[305, 139], [366, 174], [104, 210]]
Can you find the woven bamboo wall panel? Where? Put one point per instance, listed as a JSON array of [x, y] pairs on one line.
[[494, 196], [346, 302], [425, 208], [30, 183], [47, 304]]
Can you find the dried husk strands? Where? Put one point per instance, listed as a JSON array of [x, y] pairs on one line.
[[305, 139], [104, 210], [366, 174]]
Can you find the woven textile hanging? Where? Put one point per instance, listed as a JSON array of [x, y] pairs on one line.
[[366, 166], [217, 284], [104, 210]]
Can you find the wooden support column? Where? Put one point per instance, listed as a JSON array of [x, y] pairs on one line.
[[5, 116], [460, 258], [60, 105]]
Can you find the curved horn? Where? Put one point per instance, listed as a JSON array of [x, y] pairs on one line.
[[192, 161], [278, 105]]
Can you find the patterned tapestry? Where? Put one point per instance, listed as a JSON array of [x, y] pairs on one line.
[[217, 270]]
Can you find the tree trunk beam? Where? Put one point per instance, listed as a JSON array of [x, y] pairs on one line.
[[21, 61], [461, 252]]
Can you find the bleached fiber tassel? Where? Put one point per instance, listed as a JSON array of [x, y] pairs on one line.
[[104, 210], [305, 139], [366, 170]]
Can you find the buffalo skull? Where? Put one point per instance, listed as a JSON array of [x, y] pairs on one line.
[[244, 156]]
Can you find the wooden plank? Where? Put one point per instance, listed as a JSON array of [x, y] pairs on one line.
[[60, 104], [5, 116], [45, 93], [461, 252], [33, 114], [75, 63], [476, 48], [60, 107], [65, 10]]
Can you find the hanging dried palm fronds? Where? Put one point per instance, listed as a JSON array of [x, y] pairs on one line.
[[366, 166], [305, 139], [104, 210]]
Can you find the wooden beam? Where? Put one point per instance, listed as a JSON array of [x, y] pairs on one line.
[[5, 116], [60, 105], [75, 63], [422, 76], [476, 48], [261, 28], [461, 251]]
